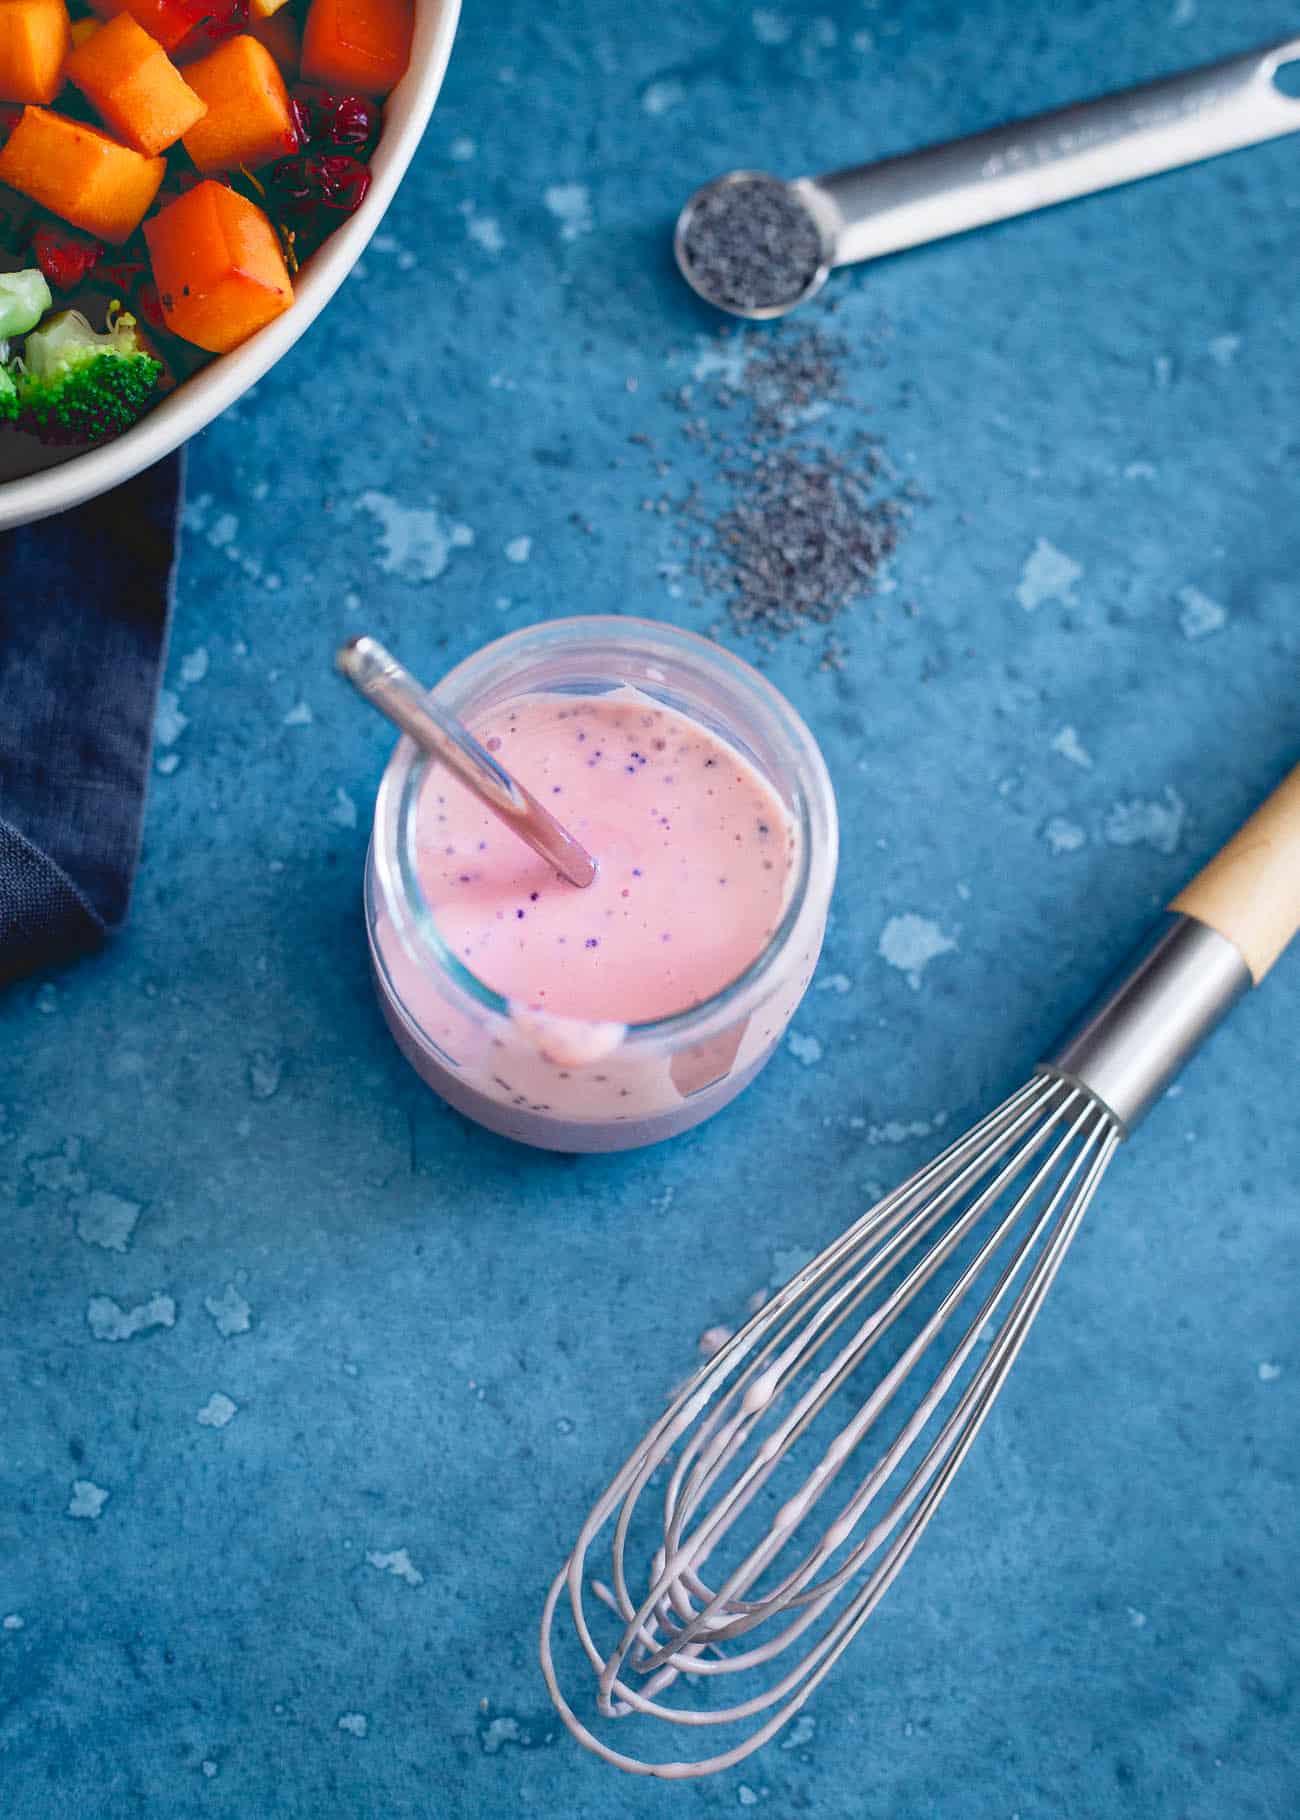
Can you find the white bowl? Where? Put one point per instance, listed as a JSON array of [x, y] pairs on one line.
[[209, 392]]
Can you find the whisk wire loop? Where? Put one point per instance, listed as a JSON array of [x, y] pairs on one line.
[[982, 1229]]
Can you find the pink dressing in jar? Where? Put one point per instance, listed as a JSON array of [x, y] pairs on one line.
[[695, 857], [602, 1018]]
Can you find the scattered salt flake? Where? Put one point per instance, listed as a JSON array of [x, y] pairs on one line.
[[398, 1563], [13, 1621], [770, 27], [570, 204], [87, 1500], [498, 1732], [519, 549], [661, 97], [462, 149], [415, 541], [900, 1131], [746, 1796], [194, 666], [300, 715], [229, 1311], [169, 723], [264, 1072], [1147, 822], [1200, 617], [1136, 1618], [712, 1340], [800, 1731], [1141, 470], [168, 763], [1184, 11], [355, 1723], [1063, 835], [1224, 349], [224, 531], [910, 942], [208, 1767], [1269, 1373], [344, 811], [108, 1320], [835, 982], [805, 1049], [1048, 574], [1163, 369], [105, 1219], [483, 230], [1068, 744], [217, 1411]]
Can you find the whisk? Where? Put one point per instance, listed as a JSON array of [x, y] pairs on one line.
[[748, 1579]]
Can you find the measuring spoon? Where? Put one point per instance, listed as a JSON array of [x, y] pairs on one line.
[[874, 209]]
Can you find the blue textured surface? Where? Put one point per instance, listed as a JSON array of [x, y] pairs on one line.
[[449, 1343]]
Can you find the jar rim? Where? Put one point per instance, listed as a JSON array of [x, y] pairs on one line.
[[392, 849]]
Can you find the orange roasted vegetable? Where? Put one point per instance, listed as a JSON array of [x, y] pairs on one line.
[[79, 173], [134, 86], [218, 267], [34, 40], [357, 46], [166, 20], [248, 120]]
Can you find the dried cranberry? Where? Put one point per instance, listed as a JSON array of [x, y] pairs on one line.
[[327, 180], [341, 181], [289, 190], [354, 121], [325, 118], [63, 256], [311, 105]]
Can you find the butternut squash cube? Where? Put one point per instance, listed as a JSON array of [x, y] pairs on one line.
[[357, 46], [218, 267], [248, 120], [132, 83], [79, 173], [34, 40]]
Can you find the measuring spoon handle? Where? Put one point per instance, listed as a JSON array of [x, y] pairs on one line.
[[881, 208]]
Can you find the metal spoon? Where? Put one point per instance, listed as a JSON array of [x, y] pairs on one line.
[[377, 675], [881, 208]]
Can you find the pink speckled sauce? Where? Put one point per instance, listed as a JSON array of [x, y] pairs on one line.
[[619, 1015], [696, 858]]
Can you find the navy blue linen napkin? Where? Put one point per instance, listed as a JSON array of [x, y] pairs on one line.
[[85, 601]]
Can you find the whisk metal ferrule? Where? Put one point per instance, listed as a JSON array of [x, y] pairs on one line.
[[1147, 1024]]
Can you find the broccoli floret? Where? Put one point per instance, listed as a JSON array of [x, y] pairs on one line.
[[8, 393], [24, 299], [78, 386]]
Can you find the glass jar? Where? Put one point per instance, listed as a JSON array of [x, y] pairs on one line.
[[614, 1087]]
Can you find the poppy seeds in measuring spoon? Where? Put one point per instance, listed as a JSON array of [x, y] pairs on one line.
[[750, 244]]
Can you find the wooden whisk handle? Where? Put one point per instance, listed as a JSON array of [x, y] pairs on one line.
[[1250, 891]]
